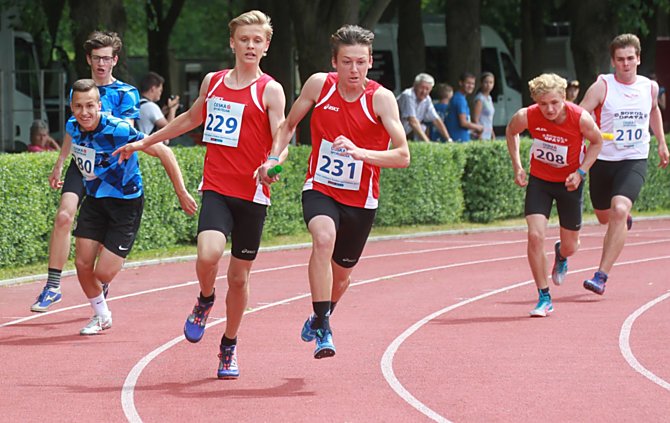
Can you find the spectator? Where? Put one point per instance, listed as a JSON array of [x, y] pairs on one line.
[[458, 118], [483, 110], [572, 91], [40, 140], [443, 94], [152, 118], [416, 107]]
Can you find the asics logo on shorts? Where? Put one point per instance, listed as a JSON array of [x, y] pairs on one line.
[[245, 251]]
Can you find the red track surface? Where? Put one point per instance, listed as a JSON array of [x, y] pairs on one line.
[[433, 327]]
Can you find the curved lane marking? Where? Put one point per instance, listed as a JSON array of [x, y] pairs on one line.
[[387, 358]]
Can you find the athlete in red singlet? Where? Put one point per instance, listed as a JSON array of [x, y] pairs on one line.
[[240, 109], [354, 120], [558, 166]]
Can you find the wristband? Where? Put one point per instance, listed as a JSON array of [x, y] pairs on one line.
[[275, 158], [581, 173]]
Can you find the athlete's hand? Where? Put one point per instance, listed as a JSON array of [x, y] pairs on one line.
[[345, 145], [54, 179], [663, 155], [188, 204], [572, 181], [261, 174], [127, 150], [520, 178]]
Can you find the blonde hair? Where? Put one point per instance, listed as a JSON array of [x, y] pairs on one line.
[[623, 41], [252, 17], [547, 83]]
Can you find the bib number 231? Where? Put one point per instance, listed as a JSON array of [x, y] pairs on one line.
[[337, 169]]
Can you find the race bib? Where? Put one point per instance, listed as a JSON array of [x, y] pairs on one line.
[[549, 153], [223, 123], [337, 169], [85, 159], [630, 129]]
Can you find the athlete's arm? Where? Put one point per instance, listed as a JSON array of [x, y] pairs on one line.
[[169, 161], [181, 124], [56, 173], [281, 138], [386, 108], [594, 96], [275, 102], [591, 132], [656, 124], [516, 125]]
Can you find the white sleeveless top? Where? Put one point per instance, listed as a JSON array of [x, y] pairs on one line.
[[625, 114]]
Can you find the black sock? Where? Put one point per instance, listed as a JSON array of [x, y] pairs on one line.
[[204, 299], [227, 342], [53, 278], [544, 291], [321, 311], [332, 306]]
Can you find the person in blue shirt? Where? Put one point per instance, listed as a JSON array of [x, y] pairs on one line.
[[110, 214], [458, 118], [118, 99]]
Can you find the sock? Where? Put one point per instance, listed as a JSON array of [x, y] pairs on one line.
[[321, 311], [559, 256], [332, 306], [207, 299], [227, 342], [544, 291], [99, 305], [602, 274], [53, 278]]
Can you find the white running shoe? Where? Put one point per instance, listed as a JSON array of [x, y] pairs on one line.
[[97, 325]]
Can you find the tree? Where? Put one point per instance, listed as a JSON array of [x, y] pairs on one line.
[[159, 29], [463, 37], [89, 16], [533, 40], [411, 42]]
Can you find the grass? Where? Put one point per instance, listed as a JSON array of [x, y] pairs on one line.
[[303, 237]]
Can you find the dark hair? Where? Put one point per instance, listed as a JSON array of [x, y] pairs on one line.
[[442, 90], [100, 39], [150, 80], [84, 86], [466, 75], [351, 35]]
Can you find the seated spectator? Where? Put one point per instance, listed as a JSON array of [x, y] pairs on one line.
[[152, 118], [416, 108], [458, 118], [443, 94], [483, 110], [572, 91], [40, 140]]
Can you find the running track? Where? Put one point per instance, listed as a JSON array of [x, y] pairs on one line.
[[432, 328]]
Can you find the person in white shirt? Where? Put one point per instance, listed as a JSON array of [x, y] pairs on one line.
[[416, 107], [625, 106], [152, 117]]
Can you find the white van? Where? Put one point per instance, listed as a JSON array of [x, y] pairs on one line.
[[496, 59]]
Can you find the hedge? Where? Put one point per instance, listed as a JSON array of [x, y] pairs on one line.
[[445, 183]]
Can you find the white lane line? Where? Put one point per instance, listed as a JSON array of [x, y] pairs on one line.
[[627, 352], [271, 269], [389, 354]]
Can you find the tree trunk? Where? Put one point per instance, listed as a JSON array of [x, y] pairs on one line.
[[464, 43], [411, 42], [89, 16], [159, 28], [593, 28], [533, 41], [314, 22]]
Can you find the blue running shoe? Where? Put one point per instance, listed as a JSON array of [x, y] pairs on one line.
[[105, 289], [46, 299], [544, 306], [560, 266], [194, 328], [596, 283], [324, 344], [228, 363], [629, 222], [308, 334]]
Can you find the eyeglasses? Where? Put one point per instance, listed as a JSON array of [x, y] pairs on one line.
[[104, 59]]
